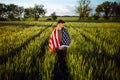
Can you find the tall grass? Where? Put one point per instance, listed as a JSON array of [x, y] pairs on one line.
[[93, 53]]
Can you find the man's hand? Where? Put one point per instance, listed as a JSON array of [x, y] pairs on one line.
[[62, 48]]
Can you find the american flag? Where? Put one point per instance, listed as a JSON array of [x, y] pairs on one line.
[[55, 40], [65, 38]]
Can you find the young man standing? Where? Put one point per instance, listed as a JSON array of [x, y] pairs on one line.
[[59, 42]]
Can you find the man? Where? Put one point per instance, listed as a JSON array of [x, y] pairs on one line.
[[59, 42]]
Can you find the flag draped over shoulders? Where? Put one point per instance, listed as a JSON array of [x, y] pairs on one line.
[[54, 41]]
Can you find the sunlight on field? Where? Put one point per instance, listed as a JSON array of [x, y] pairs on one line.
[[94, 52]]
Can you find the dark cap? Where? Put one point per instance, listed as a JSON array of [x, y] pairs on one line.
[[61, 21]]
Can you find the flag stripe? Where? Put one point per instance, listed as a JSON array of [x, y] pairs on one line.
[[54, 39]]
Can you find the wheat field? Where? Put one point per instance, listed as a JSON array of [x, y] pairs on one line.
[[94, 52]]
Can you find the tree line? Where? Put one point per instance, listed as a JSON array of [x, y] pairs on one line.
[[13, 11], [106, 10]]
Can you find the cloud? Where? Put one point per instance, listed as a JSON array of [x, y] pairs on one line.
[[61, 10]]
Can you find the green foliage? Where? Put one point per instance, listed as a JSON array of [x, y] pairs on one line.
[[94, 17], [13, 11], [114, 18], [101, 18], [53, 16], [49, 19], [83, 9], [108, 9], [39, 11]]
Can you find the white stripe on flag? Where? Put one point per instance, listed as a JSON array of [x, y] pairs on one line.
[[54, 40]]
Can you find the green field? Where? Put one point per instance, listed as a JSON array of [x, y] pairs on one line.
[[94, 52]]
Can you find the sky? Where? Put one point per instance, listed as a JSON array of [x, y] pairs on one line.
[[61, 7]]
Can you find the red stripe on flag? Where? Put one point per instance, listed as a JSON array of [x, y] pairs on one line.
[[54, 40]]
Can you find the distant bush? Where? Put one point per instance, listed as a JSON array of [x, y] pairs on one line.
[[49, 19], [94, 17], [101, 18], [12, 19], [114, 18], [53, 16], [3, 19], [87, 18], [29, 19]]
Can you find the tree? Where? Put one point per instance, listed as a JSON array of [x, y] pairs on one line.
[[29, 13], [3, 10], [20, 12], [115, 9], [105, 8], [39, 11], [53, 16], [83, 9], [118, 9], [108, 9], [12, 11], [35, 12], [98, 10]]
